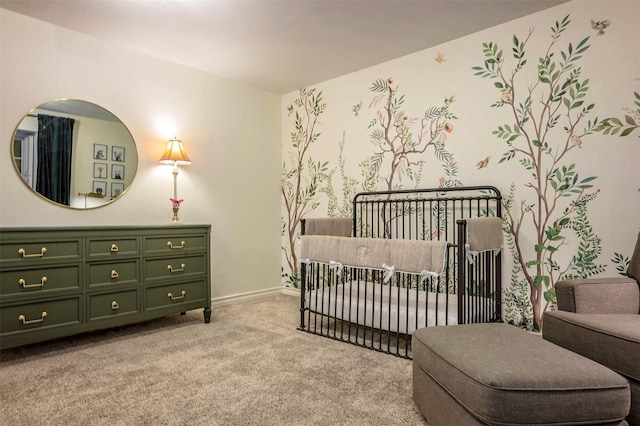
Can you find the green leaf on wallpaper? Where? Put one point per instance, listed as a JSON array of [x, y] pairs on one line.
[[527, 163], [627, 131], [533, 263], [550, 295], [498, 85], [507, 156], [380, 85], [553, 234], [541, 279]]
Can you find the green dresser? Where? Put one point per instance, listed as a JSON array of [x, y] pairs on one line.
[[56, 282]]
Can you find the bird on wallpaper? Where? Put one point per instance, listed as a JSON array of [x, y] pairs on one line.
[[600, 25], [450, 100], [356, 108], [290, 109], [440, 58], [576, 141], [483, 163]]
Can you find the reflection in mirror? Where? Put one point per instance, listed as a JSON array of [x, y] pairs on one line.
[[74, 153]]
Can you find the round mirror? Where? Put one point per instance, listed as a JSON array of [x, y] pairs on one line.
[[74, 153]]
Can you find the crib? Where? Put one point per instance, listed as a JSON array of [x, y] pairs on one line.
[[406, 259]]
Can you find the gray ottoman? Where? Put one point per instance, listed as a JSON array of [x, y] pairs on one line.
[[479, 374]]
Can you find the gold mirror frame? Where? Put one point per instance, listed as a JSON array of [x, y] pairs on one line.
[[95, 182]]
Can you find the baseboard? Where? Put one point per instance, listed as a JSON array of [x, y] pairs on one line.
[[290, 291], [243, 297]]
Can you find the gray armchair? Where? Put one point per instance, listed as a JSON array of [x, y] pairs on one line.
[[599, 318]]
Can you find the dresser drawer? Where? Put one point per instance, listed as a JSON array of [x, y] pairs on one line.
[[175, 294], [40, 315], [34, 252], [40, 280], [174, 267], [174, 244], [123, 272], [109, 305], [117, 246]]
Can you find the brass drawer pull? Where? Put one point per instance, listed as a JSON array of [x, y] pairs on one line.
[[24, 284], [115, 305], [182, 266], [114, 248], [25, 321], [24, 254], [114, 274], [172, 297], [170, 245]]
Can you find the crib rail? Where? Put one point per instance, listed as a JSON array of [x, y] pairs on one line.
[[422, 214]]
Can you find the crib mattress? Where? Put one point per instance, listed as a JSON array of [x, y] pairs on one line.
[[384, 307]]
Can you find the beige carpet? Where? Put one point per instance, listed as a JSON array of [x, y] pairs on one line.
[[249, 366]]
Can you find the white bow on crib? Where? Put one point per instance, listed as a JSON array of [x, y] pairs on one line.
[[389, 271], [336, 265], [427, 274]]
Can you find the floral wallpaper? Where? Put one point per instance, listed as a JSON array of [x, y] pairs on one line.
[[532, 107]]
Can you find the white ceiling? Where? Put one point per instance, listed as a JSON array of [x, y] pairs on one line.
[[278, 45]]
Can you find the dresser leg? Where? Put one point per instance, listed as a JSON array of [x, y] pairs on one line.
[[207, 315]]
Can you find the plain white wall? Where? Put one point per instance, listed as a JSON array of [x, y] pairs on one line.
[[231, 132]]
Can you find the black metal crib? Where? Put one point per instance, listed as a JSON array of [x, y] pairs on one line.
[[378, 306]]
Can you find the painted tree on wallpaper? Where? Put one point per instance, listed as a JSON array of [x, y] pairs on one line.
[[548, 113], [301, 175], [400, 148], [401, 143], [396, 146], [393, 136]]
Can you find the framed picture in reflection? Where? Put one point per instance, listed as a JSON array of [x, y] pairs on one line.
[[117, 172], [100, 170], [99, 188], [116, 189], [117, 154], [99, 151]]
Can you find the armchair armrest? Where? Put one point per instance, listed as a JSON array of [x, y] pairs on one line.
[[619, 295]]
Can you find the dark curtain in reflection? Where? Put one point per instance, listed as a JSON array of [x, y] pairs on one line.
[[55, 137]]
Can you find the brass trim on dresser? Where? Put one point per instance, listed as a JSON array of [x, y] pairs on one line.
[[24, 254], [171, 246], [25, 321], [182, 295], [182, 267], [24, 284]]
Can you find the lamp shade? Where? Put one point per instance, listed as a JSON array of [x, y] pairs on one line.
[[175, 153]]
